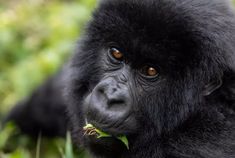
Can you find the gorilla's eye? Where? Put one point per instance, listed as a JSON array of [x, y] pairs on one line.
[[149, 71], [116, 54]]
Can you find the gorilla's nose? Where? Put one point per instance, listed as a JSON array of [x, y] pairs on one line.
[[110, 99], [111, 95]]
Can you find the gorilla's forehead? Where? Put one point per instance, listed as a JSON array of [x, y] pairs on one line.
[[158, 29]]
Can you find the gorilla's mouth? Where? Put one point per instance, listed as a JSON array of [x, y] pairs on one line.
[[90, 130]]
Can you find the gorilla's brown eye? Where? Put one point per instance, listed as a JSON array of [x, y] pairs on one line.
[[116, 54], [149, 71]]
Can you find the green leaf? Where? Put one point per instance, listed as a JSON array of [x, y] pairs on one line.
[[68, 146], [88, 126], [38, 146], [124, 140], [102, 134]]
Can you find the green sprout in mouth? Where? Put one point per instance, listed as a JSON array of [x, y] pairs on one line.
[[90, 130]]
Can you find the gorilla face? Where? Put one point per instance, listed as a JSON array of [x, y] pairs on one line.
[[142, 69], [109, 105]]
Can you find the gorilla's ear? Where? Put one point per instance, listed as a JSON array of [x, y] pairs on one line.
[[212, 86]]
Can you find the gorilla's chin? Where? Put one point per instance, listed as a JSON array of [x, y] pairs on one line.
[[107, 145]]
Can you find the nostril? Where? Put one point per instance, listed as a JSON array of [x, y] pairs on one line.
[[101, 90], [115, 102]]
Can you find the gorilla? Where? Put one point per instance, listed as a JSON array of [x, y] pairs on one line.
[[160, 72]]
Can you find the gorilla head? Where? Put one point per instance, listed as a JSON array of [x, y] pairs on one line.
[[155, 71]]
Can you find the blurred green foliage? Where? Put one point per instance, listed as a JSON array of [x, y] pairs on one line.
[[36, 38], [13, 145]]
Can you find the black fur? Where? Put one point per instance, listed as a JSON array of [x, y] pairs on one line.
[[188, 111]]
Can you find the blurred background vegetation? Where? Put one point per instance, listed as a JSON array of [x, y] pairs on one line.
[[36, 38]]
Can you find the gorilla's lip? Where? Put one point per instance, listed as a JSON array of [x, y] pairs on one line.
[[102, 128], [114, 130], [94, 136], [124, 126]]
